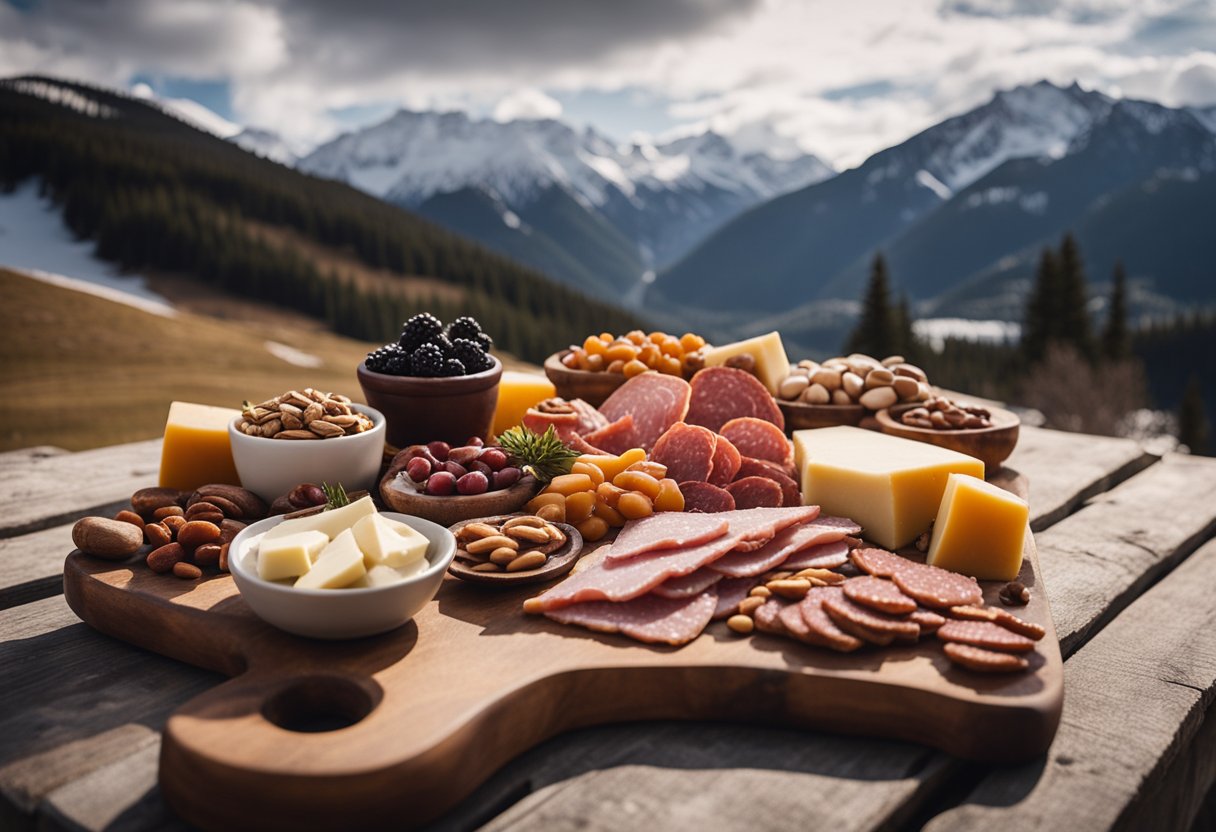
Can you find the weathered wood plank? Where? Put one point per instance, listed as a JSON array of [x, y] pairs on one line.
[[21, 456], [1098, 560], [31, 565], [73, 700], [1138, 696], [688, 776], [49, 490], [1066, 469]]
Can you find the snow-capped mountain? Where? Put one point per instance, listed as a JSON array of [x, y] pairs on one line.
[[696, 183], [269, 144]]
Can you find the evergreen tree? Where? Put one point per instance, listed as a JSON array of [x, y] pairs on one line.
[[905, 341], [876, 332], [1038, 327], [1116, 342], [1192, 420], [1072, 325]]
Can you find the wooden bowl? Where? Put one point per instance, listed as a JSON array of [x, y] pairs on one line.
[[420, 410], [452, 509], [592, 388], [991, 445], [800, 415], [560, 560]]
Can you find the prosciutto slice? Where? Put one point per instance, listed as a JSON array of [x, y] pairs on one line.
[[650, 618], [667, 530], [751, 527], [655, 401], [823, 556], [688, 585], [784, 544]]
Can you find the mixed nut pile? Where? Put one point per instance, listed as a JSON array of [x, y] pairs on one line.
[[939, 413], [856, 380], [309, 414], [516, 544]]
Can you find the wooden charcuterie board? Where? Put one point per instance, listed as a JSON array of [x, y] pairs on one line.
[[392, 731]]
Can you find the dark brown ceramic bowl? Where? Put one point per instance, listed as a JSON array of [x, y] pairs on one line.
[[421, 410], [592, 388], [991, 445], [455, 507], [800, 415]]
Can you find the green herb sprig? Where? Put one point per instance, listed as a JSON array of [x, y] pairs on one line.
[[544, 456], [335, 496]]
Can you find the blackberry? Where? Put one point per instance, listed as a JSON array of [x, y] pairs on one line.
[[453, 367], [464, 327], [427, 361], [418, 330], [389, 359], [441, 341], [471, 355], [486, 342]]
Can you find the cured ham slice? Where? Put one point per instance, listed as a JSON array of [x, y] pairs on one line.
[[720, 394], [650, 618], [731, 592], [666, 530], [614, 437], [757, 524], [623, 580], [759, 439], [703, 498], [655, 401], [688, 585], [727, 460], [755, 492], [687, 451], [823, 556], [566, 425], [785, 544], [589, 419]]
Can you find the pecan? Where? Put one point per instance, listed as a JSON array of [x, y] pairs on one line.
[[1014, 594], [555, 405]]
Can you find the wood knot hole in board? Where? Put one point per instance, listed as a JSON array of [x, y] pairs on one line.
[[315, 704]]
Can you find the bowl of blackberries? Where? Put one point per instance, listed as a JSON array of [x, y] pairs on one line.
[[435, 382]]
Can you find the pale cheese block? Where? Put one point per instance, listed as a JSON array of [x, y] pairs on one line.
[[331, 523], [339, 565], [291, 555], [980, 530], [388, 545], [891, 486], [772, 365], [387, 575]]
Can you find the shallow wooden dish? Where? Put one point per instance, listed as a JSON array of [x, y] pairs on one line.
[[592, 388], [991, 445], [560, 560], [452, 509], [800, 415]]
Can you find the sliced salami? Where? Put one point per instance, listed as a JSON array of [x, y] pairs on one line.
[[844, 611], [650, 619], [687, 451], [720, 394], [759, 439], [727, 460], [614, 437], [655, 401], [589, 419], [665, 530], [824, 556], [984, 661], [752, 467], [984, 634], [731, 592], [927, 620], [755, 492], [821, 628], [936, 587], [878, 594], [687, 586], [768, 616], [783, 548], [1002, 617], [705, 498], [879, 562]]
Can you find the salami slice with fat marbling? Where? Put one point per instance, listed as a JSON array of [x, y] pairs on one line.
[[758, 439], [720, 394], [654, 400], [703, 497], [687, 451], [727, 460], [755, 492]]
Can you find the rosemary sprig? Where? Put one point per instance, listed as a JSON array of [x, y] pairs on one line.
[[335, 496], [544, 456]]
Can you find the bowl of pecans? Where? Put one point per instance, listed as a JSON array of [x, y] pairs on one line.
[[306, 436], [985, 432]]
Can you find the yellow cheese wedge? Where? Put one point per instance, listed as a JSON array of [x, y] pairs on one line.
[[196, 449], [393, 545], [340, 564], [891, 486], [289, 556], [772, 365], [516, 393], [979, 531], [332, 522]]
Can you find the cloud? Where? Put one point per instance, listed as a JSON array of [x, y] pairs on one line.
[[529, 103]]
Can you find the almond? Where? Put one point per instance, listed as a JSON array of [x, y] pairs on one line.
[[106, 538]]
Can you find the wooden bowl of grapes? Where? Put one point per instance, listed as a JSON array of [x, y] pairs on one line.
[[447, 485]]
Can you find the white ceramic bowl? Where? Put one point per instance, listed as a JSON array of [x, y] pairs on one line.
[[272, 467], [340, 613]]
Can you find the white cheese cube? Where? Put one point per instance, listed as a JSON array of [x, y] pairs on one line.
[[340, 564], [331, 522], [388, 545], [289, 556]]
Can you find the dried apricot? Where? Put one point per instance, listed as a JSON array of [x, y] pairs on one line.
[[637, 481], [670, 497], [593, 528], [579, 506], [634, 505]]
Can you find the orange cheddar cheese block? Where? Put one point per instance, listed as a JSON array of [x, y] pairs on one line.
[[516, 393], [979, 531], [196, 449]]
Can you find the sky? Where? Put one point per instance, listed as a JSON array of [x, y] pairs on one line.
[[839, 78]]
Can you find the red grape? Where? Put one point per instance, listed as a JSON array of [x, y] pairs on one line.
[[475, 441], [306, 495], [439, 449], [420, 451], [454, 468], [496, 458], [478, 465], [441, 484], [418, 469], [506, 477], [473, 482], [464, 454]]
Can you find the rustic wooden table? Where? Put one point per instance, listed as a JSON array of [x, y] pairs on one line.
[[1130, 568]]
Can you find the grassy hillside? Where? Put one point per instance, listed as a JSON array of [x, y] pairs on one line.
[[80, 371]]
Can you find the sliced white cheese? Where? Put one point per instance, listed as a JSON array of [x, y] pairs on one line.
[[340, 564], [289, 556], [388, 545], [386, 575], [332, 522]]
